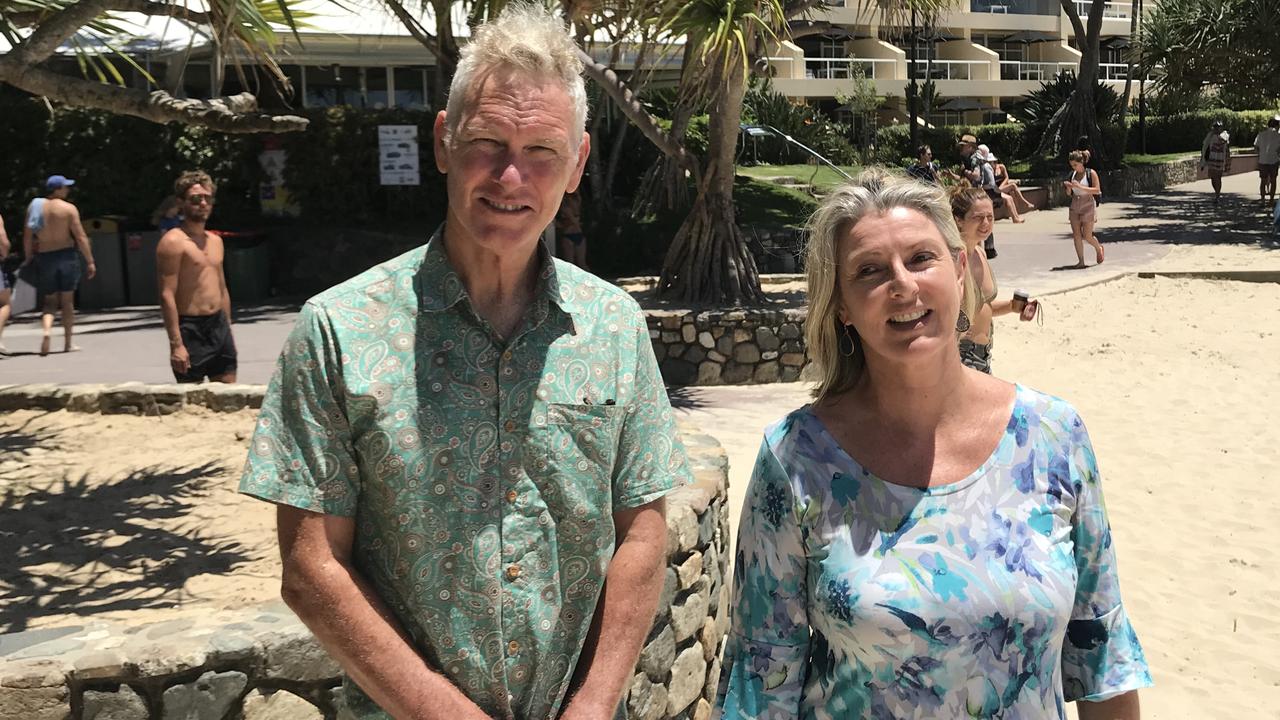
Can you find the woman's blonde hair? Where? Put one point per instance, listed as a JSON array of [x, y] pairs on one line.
[[875, 192]]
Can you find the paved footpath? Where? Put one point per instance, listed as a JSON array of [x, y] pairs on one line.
[[130, 344]]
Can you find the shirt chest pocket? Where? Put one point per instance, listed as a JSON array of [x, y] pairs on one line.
[[580, 440]]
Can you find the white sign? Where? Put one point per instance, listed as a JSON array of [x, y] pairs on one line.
[[398, 154]]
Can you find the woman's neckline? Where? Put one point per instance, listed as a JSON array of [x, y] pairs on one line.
[[943, 489]]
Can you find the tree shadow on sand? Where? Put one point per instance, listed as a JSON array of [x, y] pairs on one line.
[[1191, 217], [83, 546]]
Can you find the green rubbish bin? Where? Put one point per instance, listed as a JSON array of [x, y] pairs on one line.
[[247, 265]]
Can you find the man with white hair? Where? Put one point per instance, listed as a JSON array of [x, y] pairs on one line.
[[469, 444]]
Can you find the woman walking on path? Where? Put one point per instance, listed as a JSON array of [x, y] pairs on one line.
[[1083, 185], [974, 215]]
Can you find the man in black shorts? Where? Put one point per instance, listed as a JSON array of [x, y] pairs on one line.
[[193, 290]]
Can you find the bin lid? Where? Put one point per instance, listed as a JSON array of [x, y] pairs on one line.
[[105, 224]]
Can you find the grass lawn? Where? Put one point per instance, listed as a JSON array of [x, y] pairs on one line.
[[762, 203], [820, 176], [1140, 159]]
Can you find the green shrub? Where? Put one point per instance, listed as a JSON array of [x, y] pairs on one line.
[[1185, 132], [805, 123], [1006, 140], [122, 165], [332, 170]]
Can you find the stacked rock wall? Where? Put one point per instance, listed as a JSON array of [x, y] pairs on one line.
[[262, 663], [728, 347]]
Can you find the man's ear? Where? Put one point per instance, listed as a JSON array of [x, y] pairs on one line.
[[438, 144], [584, 149]]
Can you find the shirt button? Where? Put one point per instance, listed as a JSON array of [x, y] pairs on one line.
[[513, 572], [506, 355], [509, 426], [512, 495], [513, 647]]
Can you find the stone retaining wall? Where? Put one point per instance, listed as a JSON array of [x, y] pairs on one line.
[[262, 663], [728, 347]]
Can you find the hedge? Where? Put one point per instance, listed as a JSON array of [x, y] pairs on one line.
[[1012, 141], [125, 166], [893, 143], [1185, 132]]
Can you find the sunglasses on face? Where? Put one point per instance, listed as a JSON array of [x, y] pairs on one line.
[[200, 199]]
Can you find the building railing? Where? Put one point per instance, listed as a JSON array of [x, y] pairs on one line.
[[843, 68], [1015, 7], [1113, 10], [948, 69], [1120, 71], [1037, 71]]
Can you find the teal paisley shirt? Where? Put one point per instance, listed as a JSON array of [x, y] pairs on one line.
[[993, 597], [482, 476]]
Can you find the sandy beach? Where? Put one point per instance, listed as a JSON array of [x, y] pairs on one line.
[[1177, 379]]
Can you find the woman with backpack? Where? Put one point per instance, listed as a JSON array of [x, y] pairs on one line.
[[1083, 186], [1216, 160]]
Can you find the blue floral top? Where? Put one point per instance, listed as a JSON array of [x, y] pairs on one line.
[[996, 596]]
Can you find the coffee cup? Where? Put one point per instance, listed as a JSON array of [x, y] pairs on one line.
[[1020, 298]]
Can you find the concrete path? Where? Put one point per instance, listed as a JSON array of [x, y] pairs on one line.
[[130, 344]]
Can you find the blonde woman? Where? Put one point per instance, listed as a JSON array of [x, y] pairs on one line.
[[923, 540]]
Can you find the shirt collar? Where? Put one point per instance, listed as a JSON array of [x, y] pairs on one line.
[[440, 288]]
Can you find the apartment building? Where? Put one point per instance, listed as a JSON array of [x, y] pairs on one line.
[[982, 57]]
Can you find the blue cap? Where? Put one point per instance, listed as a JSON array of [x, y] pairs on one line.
[[57, 182]]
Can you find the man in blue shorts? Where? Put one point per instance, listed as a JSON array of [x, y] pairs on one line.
[[51, 239]]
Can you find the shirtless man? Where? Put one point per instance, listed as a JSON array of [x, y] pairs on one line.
[[193, 290], [53, 248]]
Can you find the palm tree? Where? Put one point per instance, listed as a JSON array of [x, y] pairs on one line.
[[708, 260], [35, 29]]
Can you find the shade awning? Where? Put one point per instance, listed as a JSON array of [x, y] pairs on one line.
[[1030, 36], [1117, 42], [933, 35]]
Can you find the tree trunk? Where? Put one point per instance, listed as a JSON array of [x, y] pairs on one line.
[[709, 261], [1079, 117], [913, 91], [1128, 75], [234, 114], [630, 106]]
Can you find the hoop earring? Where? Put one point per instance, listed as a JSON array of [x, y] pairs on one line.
[[962, 323], [853, 346]]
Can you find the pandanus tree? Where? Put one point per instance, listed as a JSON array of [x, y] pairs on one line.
[[708, 260], [1228, 45], [1078, 117]]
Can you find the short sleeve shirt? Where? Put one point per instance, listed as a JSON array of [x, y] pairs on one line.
[[482, 475], [925, 173], [1268, 144]]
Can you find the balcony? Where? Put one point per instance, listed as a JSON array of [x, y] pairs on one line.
[[1015, 7], [952, 70], [1111, 10], [839, 68], [1033, 71]]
